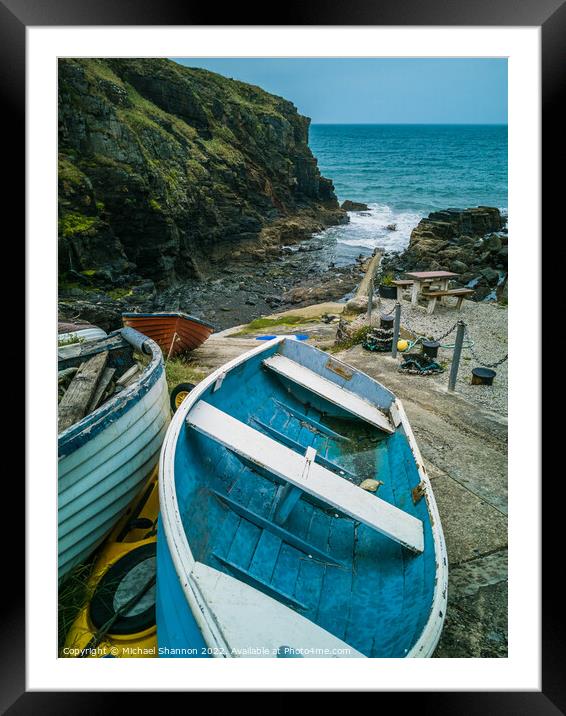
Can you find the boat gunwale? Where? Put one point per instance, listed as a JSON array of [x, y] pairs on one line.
[[173, 314], [183, 559], [92, 424], [428, 639]]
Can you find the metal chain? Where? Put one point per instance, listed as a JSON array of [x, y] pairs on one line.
[[410, 327], [448, 332], [407, 324], [476, 356], [379, 304]]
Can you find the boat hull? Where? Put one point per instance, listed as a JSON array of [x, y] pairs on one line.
[[179, 633], [81, 333], [104, 460], [175, 333], [194, 556]]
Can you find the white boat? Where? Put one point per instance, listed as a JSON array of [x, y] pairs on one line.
[[70, 333], [105, 458]]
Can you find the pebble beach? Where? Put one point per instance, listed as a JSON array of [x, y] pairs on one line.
[[487, 326]]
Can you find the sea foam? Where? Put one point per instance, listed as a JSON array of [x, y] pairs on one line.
[[367, 230]]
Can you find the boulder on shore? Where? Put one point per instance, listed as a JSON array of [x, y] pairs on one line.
[[354, 206], [470, 242]]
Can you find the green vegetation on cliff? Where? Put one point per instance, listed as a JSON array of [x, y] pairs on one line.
[[163, 168]]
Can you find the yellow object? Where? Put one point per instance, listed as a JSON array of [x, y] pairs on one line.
[[402, 344], [371, 485], [136, 530], [180, 397]]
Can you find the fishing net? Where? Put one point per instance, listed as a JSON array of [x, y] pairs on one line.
[[378, 339], [419, 364]]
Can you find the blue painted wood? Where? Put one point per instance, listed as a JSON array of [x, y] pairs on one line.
[[335, 597], [266, 555], [286, 500], [307, 438], [311, 572], [178, 635], [359, 585], [258, 583], [319, 362], [308, 421], [279, 532]]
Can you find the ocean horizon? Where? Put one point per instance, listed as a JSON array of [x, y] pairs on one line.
[[405, 171]]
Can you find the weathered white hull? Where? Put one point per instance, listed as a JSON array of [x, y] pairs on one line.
[[103, 473], [87, 334]]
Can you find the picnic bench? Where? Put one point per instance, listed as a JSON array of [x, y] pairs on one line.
[[422, 279], [433, 296], [401, 284], [431, 285]]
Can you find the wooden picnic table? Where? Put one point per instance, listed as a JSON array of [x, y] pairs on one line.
[[428, 278]]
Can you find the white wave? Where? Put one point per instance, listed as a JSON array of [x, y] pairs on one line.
[[368, 229]]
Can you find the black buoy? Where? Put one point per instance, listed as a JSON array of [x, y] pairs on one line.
[[483, 376], [430, 348], [386, 322]]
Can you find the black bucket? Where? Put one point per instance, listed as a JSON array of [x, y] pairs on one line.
[[483, 376], [430, 348], [386, 322], [386, 291]]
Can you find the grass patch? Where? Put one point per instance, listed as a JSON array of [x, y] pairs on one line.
[[224, 151], [74, 223], [118, 293], [101, 70], [69, 175], [358, 337], [260, 323], [73, 593], [179, 370], [69, 340]]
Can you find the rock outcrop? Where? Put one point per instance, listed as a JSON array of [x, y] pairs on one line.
[[470, 242], [165, 171], [354, 206]]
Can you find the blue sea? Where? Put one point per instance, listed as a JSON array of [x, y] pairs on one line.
[[403, 172]]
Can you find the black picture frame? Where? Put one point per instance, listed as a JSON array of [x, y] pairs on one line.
[[550, 15]]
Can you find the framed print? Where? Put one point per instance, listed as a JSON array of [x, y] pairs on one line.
[[295, 271]]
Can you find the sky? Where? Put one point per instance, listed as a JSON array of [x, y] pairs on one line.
[[378, 90]]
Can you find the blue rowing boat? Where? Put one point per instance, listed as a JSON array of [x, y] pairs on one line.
[[105, 458], [297, 519]]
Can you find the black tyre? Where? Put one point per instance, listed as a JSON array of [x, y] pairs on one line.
[[179, 393]]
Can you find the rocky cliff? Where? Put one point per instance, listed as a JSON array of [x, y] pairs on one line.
[[165, 171], [471, 242]]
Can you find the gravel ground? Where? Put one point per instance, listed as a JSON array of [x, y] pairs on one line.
[[487, 326]]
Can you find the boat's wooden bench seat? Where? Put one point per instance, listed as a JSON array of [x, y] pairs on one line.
[[459, 293], [330, 391], [303, 474]]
